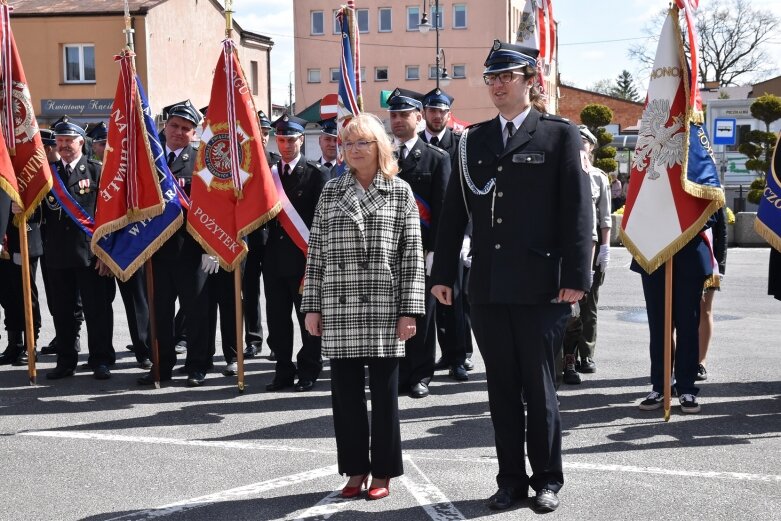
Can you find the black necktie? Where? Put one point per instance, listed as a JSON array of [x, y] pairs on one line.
[[68, 170], [510, 130], [328, 164], [403, 152], [434, 141], [286, 170], [171, 158]]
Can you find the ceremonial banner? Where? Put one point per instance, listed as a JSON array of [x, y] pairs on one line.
[[31, 177], [349, 101], [129, 186], [768, 221], [674, 185], [126, 249], [232, 190], [537, 30]]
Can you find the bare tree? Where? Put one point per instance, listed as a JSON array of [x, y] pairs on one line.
[[732, 41], [604, 86]]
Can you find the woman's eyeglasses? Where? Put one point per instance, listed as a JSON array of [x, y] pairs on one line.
[[360, 146]]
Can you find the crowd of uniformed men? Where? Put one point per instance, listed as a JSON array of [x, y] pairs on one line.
[[79, 287]]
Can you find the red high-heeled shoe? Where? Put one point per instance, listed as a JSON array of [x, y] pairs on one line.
[[348, 492], [379, 492]]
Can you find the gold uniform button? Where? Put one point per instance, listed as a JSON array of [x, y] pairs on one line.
[[498, 246]]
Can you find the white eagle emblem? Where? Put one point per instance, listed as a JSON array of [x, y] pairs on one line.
[[659, 146]]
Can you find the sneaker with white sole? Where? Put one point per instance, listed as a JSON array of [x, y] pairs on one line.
[[652, 402], [702, 374], [689, 404]]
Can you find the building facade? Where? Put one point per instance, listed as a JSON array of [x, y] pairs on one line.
[[68, 49], [626, 113], [394, 53]]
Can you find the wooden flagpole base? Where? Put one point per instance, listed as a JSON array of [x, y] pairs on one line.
[[150, 296], [29, 334], [668, 335], [239, 323]]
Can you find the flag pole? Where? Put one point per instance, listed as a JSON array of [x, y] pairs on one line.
[[668, 334], [239, 323], [29, 335], [149, 273]]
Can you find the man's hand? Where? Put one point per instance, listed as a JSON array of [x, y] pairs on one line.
[[444, 294], [603, 257], [406, 327], [102, 269], [314, 324], [570, 295], [209, 264], [15, 208]]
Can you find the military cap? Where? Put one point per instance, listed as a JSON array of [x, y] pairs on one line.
[[47, 136], [507, 56], [99, 132], [66, 128], [64, 118], [402, 100], [329, 126], [438, 99], [586, 134], [288, 125], [185, 110], [263, 119]]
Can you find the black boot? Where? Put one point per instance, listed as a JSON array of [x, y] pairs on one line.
[[14, 349]]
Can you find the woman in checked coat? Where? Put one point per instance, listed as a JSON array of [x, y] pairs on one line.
[[363, 287]]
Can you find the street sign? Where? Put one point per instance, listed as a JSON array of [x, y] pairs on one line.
[[724, 131], [328, 106]]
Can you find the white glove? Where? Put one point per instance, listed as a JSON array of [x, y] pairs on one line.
[[466, 247], [603, 257], [429, 262], [18, 259], [209, 264]]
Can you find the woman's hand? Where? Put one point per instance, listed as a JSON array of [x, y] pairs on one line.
[[314, 324], [406, 328]]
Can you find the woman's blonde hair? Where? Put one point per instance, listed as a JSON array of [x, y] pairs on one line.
[[369, 127]]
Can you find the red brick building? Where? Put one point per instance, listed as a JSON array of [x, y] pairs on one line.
[[572, 100]]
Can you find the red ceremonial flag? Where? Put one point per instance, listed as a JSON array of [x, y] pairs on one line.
[[232, 191], [673, 186], [33, 178], [129, 186]]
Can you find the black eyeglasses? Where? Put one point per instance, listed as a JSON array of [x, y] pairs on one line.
[[503, 77]]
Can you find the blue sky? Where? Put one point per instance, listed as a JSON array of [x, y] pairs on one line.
[[593, 37]]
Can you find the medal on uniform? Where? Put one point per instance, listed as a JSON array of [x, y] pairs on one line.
[[181, 182], [185, 157], [82, 168], [81, 186]]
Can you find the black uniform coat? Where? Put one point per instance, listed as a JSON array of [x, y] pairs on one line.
[[182, 170], [303, 187], [427, 170], [448, 143], [67, 246], [5, 212], [528, 249]]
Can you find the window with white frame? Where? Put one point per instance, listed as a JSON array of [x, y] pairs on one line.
[[363, 74], [380, 74], [413, 72], [335, 74], [363, 20], [385, 20], [79, 62], [459, 71], [459, 16], [337, 25], [432, 72], [318, 23], [253, 73], [313, 75], [413, 18]]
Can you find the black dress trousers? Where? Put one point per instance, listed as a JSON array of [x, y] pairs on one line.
[[418, 364], [221, 298], [518, 344], [361, 449], [134, 298], [253, 327]]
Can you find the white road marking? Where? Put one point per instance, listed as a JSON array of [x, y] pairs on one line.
[[325, 508], [429, 496], [738, 476], [233, 494]]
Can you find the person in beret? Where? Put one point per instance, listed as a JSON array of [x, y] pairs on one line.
[[529, 197], [284, 261], [73, 271], [427, 169]]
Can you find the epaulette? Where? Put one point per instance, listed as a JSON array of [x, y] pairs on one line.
[[436, 149], [475, 125], [554, 117], [95, 161], [317, 165]]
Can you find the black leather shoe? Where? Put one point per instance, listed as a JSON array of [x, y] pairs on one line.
[[149, 379], [469, 364], [279, 384], [130, 347], [441, 364], [546, 501], [506, 497], [59, 372], [587, 365], [458, 372], [23, 359], [250, 351], [50, 349], [145, 364], [419, 390], [8, 357], [196, 379], [304, 385], [180, 348], [272, 356], [101, 372], [183, 370]]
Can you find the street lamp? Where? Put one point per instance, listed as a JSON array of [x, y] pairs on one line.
[[424, 27]]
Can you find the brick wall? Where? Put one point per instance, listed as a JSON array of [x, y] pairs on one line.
[[572, 101]]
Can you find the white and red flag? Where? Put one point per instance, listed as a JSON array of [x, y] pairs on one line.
[[232, 191], [537, 30], [674, 185]]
